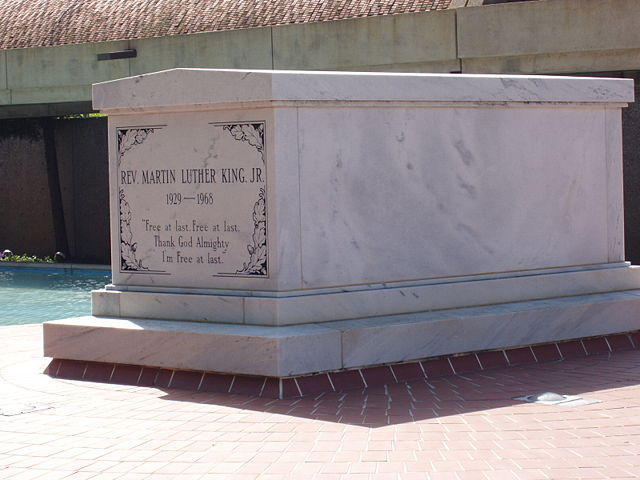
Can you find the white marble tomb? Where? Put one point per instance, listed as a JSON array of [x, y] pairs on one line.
[[281, 218]]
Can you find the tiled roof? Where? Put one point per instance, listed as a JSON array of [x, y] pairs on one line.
[[33, 23]]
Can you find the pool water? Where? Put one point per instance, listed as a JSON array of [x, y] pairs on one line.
[[35, 295]]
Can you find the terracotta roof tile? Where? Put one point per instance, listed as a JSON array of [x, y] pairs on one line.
[[34, 23]]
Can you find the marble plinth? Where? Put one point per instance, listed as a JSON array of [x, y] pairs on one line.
[[330, 346], [253, 211], [325, 305]]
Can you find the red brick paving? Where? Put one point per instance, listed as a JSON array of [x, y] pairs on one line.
[[457, 427], [315, 384]]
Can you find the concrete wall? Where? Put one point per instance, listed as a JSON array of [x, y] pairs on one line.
[[82, 150], [421, 42], [547, 36], [56, 75], [249, 48], [25, 212], [27, 222], [551, 36], [34, 78]]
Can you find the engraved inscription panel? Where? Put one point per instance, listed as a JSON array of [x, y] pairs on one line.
[[192, 201]]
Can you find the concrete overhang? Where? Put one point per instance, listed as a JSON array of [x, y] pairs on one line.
[[542, 37]]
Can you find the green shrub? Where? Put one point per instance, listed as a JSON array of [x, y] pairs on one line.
[[25, 258]]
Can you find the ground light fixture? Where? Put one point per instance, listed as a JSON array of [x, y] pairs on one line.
[[551, 398]]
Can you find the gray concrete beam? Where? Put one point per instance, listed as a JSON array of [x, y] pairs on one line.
[[249, 48], [572, 62], [548, 27], [62, 66], [3, 70], [372, 43], [547, 36], [67, 93], [5, 94], [44, 109]]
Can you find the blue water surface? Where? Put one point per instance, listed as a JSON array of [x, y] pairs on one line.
[[35, 295]]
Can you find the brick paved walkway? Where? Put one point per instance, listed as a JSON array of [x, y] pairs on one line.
[[449, 428]]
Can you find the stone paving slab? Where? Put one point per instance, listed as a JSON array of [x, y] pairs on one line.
[[457, 427]]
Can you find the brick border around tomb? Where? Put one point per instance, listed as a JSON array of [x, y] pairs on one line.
[[308, 385]]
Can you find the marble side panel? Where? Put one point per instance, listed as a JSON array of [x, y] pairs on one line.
[[105, 303], [196, 346], [284, 351], [298, 308], [615, 200], [286, 196], [447, 192], [190, 199], [267, 311], [310, 351], [198, 308], [440, 333]]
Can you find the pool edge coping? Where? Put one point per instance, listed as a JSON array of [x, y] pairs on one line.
[[58, 266]]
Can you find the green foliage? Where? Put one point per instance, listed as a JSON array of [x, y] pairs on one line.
[[83, 115], [23, 258]]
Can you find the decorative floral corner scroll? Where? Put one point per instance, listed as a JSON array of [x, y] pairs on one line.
[[253, 134], [128, 260], [127, 139], [130, 137]]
